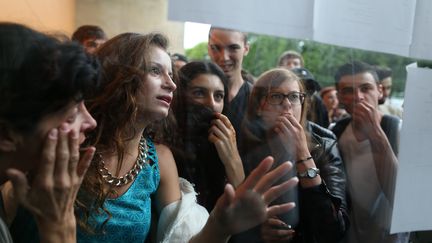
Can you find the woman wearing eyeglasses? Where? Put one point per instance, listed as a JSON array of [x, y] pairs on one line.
[[275, 124]]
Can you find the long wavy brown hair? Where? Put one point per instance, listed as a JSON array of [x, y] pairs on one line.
[[125, 62]]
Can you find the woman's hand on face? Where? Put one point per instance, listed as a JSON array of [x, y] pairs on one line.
[[51, 194], [291, 132], [275, 230], [248, 205], [223, 136]]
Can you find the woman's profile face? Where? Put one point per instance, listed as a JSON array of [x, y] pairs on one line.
[[277, 103], [156, 92], [208, 90]]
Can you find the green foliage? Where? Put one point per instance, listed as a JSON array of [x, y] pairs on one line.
[[264, 52], [198, 52], [321, 59]]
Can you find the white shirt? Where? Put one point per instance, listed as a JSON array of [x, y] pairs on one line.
[[370, 208]]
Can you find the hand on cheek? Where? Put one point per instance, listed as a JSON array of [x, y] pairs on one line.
[[51, 194]]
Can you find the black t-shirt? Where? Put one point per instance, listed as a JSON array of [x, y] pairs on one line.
[[237, 107]]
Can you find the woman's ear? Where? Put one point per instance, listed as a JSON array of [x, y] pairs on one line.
[[8, 137]]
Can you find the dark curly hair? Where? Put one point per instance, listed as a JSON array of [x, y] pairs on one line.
[[40, 75]]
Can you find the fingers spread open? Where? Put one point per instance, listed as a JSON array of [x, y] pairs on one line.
[[270, 178], [276, 191], [227, 198], [257, 174], [280, 209]]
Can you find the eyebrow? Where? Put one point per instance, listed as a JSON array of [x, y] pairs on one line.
[[161, 67], [202, 87], [234, 46]]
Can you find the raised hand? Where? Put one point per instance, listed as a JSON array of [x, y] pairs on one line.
[[248, 206], [51, 194], [366, 118], [223, 136], [292, 135]]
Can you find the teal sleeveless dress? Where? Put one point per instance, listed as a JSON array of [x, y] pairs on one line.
[[131, 212]]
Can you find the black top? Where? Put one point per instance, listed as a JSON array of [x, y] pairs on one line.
[[196, 158], [237, 107]]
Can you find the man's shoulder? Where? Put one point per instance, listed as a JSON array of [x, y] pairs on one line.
[[390, 122], [390, 109], [340, 126]]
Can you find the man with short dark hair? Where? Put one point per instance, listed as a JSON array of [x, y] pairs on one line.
[[386, 81], [368, 141], [227, 48], [90, 36]]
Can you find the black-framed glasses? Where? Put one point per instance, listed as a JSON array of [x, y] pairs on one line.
[[295, 98]]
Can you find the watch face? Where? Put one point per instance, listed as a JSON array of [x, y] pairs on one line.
[[311, 173]]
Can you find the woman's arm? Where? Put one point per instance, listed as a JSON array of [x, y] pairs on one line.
[[293, 136], [223, 136], [168, 190], [324, 207]]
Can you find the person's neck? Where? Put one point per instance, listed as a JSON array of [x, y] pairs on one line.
[[130, 152], [132, 145], [234, 86]]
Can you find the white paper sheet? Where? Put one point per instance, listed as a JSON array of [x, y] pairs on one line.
[[401, 27], [421, 46], [384, 26], [273, 17], [413, 196]]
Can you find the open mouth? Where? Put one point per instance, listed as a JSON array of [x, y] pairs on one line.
[[165, 98], [227, 67]]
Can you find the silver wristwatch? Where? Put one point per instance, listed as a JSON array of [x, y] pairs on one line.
[[309, 173]]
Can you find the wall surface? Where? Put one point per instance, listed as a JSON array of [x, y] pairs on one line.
[[43, 15], [143, 16], [114, 16]]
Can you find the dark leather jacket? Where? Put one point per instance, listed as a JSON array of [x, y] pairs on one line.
[[321, 214], [323, 209]]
